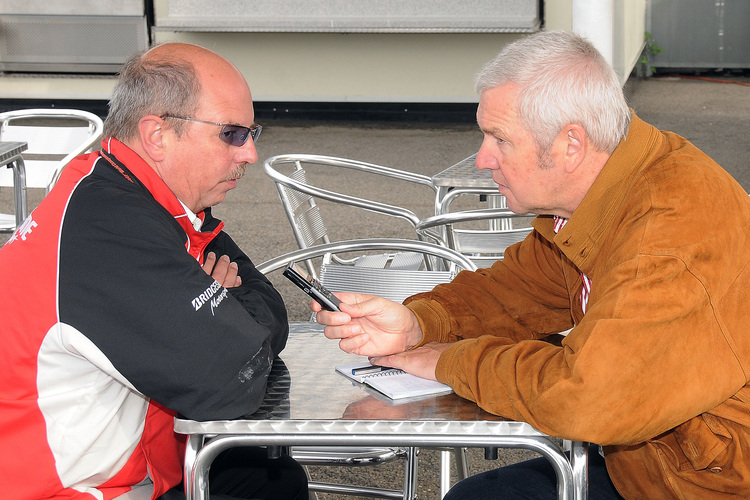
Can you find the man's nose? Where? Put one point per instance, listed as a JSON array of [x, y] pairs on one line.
[[247, 153], [485, 160]]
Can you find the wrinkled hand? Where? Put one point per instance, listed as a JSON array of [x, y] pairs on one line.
[[421, 361], [369, 325], [222, 270]]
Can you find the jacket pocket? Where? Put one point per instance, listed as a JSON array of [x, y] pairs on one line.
[[702, 439]]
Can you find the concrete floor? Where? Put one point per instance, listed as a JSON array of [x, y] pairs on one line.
[[714, 116]]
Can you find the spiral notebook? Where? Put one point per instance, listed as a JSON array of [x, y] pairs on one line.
[[394, 383]]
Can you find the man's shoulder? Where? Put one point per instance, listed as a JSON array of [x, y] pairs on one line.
[[685, 177], [104, 204]]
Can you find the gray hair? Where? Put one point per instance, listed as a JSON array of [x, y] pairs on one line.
[[563, 79], [151, 86]]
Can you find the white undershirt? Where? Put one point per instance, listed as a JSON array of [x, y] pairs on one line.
[[194, 219]]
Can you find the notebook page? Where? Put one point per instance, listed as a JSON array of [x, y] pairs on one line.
[[394, 383]]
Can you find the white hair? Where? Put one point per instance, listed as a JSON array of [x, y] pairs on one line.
[[562, 79]]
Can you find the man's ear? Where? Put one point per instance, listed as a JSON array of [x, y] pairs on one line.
[[575, 145], [151, 132]]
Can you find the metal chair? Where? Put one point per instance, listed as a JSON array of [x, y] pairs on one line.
[[395, 284], [54, 137], [484, 245], [298, 197]]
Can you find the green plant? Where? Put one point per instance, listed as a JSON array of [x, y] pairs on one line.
[[649, 51]]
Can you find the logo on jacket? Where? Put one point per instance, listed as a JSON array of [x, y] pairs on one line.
[[210, 295], [24, 230]]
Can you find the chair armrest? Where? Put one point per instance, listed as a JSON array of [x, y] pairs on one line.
[[367, 244], [426, 227]]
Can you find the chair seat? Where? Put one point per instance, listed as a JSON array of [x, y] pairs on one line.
[[401, 260]]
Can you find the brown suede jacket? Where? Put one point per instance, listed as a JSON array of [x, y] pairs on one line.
[[657, 369]]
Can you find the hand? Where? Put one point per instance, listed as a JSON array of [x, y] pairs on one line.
[[222, 270], [420, 361], [369, 325]]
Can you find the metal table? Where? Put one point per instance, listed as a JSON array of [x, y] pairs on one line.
[[308, 403], [464, 174], [10, 155]]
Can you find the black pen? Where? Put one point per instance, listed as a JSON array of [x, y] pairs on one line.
[[369, 369]]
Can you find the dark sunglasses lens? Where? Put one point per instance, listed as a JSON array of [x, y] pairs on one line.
[[234, 134]]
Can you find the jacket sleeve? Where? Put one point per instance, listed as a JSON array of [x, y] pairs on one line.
[[256, 294], [169, 330], [521, 297]]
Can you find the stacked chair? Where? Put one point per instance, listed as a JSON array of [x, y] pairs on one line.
[[54, 137]]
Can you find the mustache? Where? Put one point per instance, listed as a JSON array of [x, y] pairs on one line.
[[238, 172]]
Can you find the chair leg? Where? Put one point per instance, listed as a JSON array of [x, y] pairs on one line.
[[311, 495], [410, 474], [19, 191], [462, 468], [462, 463]]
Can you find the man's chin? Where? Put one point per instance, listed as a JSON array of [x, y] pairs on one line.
[[515, 207]]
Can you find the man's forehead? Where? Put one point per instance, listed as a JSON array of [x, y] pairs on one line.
[[493, 110]]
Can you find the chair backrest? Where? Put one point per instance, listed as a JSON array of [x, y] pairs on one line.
[[302, 211], [298, 195], [54, 137], [300, 201], [392, 283], [483, 246]]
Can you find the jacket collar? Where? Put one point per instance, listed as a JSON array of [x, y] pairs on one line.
[[582, 236], [130, 161]]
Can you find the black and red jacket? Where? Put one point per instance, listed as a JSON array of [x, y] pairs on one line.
[[110, 327]]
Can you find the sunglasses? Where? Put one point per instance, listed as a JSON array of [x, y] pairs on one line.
[[234, 135]]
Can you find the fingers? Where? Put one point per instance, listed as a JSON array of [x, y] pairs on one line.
[[355, 344], [343, 331], [355, 305], [392, 360], [209, 262], [222, 270], [421, 361], [231, 278]]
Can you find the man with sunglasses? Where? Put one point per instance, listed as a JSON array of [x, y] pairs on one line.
[[130, 304]]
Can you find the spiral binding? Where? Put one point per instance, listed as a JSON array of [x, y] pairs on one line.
[[386, 373]]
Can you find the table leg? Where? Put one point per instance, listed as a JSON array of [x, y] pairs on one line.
[[579, 456], [194, 443], [203, 460], [445, 472]]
